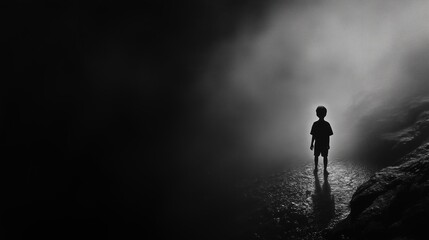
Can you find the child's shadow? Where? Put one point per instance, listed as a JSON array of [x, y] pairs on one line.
[[323, 201]]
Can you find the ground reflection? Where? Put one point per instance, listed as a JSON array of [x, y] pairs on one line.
[[323, 201]]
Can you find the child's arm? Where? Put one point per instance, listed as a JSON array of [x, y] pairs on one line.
[[312, 141]]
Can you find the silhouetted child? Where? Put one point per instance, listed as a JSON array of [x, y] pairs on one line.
[[320, 131]]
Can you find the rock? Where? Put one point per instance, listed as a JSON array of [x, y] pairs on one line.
[[392, 204], [390, 132], [410, 137]]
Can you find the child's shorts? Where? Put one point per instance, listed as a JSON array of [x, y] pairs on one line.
[[323, 151]]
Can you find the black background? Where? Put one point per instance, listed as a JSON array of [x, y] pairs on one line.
[[95, 97]]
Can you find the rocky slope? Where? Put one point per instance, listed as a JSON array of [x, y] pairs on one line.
[[394, 202]]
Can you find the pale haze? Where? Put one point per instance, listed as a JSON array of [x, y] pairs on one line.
[[351, 56]]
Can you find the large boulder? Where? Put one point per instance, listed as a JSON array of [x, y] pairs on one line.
[[392, 204]]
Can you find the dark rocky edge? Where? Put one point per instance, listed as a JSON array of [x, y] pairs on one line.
[[394, 202]]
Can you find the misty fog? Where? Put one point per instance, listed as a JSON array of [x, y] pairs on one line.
[[354, 57]]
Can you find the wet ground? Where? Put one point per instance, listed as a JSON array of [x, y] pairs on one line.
[[301, 204]]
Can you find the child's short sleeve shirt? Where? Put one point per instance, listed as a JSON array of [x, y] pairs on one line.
[[321, 130]]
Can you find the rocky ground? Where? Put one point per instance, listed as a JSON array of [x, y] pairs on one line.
[[392, 204]]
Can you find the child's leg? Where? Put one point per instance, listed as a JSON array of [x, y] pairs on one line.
[[316, 161], [325, 162]]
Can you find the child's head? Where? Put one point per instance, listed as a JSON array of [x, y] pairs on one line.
[[321, 111]]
